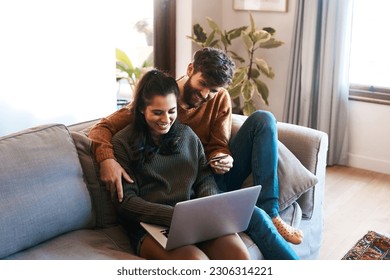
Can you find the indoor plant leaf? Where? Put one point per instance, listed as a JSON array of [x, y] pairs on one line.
[[247, 90], [214, 43], [236, 57], [238, 77], [263, 66], [213, 25], [262, 90], [209, 40], [270, 30], [122, 57], [248, 108], [225, 41], [235, 91], [261, 36], [271, 43], [254, 73], [200, 35], [253, 25], [247, 40], [235, 33]]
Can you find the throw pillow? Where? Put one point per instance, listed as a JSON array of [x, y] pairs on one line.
[[104, 208], [294, 178]]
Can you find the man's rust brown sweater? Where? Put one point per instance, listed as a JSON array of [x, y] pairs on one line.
[[211, 122]]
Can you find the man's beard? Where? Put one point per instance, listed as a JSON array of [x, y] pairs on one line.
[[191, 96]]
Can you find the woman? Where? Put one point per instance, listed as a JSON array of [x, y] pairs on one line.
[[167, 161]]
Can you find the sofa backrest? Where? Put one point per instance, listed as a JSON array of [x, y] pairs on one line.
[[42, 190]]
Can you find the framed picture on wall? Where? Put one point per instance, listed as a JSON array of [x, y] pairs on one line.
[[261, 5]]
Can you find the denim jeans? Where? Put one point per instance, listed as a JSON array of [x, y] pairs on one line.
[[267, 238], [255, 150]]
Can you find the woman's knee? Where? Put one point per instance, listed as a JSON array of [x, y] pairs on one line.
[[241, 253], [229, 247], [150, 249], [191, 253]]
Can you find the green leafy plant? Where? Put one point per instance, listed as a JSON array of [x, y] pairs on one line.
[[247, 79], [124, 64]]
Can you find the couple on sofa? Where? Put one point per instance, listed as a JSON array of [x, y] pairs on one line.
[[151, 137]]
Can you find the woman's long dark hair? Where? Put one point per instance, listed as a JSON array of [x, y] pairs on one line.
[[153, 83]]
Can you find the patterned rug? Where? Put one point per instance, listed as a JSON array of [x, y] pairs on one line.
[[372, 246]]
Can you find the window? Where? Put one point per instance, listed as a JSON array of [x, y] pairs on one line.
[[134, 33], [140, 28], [370, 61]]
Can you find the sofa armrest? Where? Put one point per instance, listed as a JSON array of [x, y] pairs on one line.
[[310, 146]]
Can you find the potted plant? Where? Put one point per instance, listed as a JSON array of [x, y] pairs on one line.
[[248, 76]]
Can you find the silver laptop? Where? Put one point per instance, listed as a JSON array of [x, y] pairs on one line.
[[206, 218]]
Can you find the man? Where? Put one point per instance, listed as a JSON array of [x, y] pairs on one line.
[[205, 106]]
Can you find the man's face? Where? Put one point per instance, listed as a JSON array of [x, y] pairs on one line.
[[197, 91]]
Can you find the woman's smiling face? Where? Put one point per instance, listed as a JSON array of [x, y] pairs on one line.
[[160, 114]]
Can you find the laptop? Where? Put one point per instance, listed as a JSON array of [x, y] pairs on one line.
[[205, 218]]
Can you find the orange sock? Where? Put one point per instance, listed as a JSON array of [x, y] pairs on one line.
[[290, 234]]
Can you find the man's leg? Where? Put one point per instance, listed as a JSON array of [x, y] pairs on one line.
[[267, 238], [255, 150]]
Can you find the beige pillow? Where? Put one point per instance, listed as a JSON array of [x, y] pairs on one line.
[[294, 178], [104, 208]]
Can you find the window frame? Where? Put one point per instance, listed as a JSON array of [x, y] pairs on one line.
[[164, 46], [360, 90], [371, 94]]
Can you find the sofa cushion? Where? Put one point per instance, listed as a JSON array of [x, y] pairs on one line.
[[294, 178], [86, 244], [104, 208], [42, 191]]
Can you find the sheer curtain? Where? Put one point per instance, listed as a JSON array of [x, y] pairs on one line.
[[318, 86]]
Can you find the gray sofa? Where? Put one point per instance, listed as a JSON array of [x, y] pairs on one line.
[[53, 205]]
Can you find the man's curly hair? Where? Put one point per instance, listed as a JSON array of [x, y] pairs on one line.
[[215, 65]]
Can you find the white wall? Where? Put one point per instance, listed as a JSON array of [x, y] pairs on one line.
[[183, 29], [369, 146], [57, 62]]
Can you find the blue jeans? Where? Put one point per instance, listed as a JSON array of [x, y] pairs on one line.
[[255, 150], [267, 238]]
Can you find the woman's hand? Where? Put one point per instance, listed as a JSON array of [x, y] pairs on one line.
[[221, 165]]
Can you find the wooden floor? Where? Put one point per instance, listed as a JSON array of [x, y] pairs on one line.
[[356, 201]]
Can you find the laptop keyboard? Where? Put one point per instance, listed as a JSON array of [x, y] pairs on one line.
[[165, 232]]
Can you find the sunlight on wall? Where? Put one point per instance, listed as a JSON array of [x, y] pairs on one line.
[[57, 62]]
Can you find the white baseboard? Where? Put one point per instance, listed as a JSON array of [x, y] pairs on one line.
[[369, 163]]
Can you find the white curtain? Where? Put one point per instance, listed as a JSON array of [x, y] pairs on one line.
[[318, 85]]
